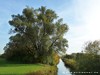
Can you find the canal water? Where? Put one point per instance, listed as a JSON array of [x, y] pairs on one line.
[[62, 70]]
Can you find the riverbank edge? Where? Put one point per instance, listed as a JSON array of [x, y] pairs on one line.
[[52, 70], [70, 63]]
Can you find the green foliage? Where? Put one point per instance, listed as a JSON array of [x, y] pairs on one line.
[[70, 63], [83, 62], [52, 60], [68, 56], [92, 47], [89, 63], [90, 60], [2, 56], [38, 34]]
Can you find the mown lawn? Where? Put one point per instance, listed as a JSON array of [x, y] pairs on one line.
[[7, 68]]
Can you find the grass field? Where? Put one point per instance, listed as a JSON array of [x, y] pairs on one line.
[[8, 68]]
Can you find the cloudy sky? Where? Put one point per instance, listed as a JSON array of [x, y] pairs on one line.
[[82, 17]]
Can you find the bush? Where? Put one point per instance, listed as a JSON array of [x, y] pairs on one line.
[[89, 63], [51, 60]]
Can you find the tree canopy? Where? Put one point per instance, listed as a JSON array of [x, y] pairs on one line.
[[92, 47], [38, 34]]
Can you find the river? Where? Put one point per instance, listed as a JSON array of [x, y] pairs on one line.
[[62, 70]]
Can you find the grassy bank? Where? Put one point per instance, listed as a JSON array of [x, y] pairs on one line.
[[70, 63], [8, 68]]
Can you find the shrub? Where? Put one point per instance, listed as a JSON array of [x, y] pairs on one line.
[[70, 63], [89, 63]]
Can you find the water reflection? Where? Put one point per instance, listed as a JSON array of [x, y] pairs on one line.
[[62, 70]]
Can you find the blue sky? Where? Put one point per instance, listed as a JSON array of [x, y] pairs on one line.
[[82, 17]]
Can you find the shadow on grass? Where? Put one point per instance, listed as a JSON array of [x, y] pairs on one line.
[[5, 63]]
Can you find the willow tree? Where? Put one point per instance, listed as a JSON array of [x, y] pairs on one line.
[[38, 34], [92, 47]]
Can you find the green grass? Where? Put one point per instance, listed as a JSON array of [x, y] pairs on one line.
[[7, 68]]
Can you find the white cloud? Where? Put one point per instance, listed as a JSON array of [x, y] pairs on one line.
[[83, 18]]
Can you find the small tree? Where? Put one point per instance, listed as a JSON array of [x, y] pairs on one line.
[[38, 35], [92, 47]]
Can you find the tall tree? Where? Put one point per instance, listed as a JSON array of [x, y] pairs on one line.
[[38, 34]]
